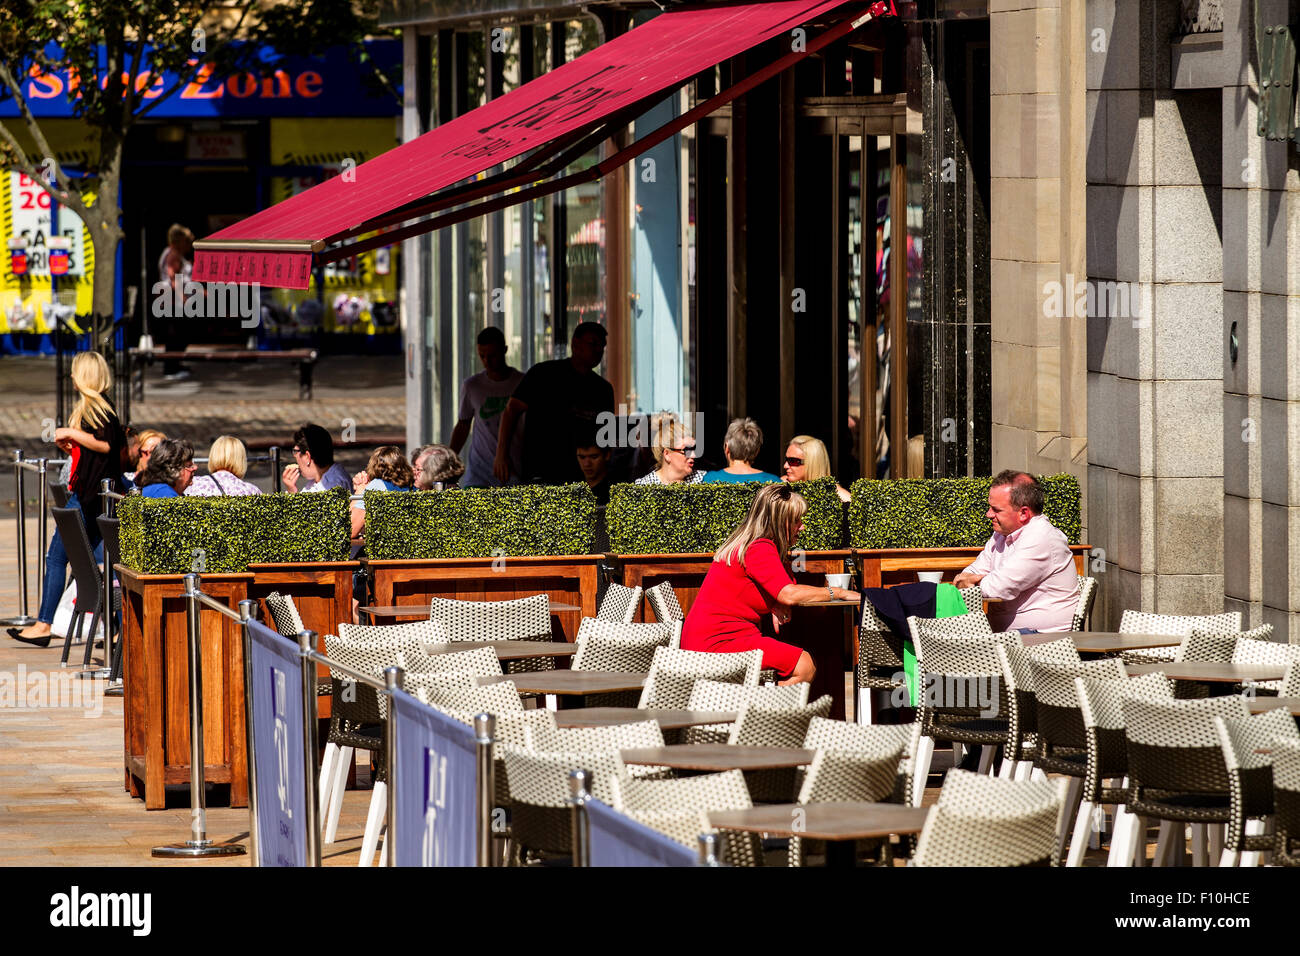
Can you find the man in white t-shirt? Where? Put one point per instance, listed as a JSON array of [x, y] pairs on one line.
[[483, 397]]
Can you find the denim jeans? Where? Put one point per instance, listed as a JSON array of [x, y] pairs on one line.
[[56, 565]]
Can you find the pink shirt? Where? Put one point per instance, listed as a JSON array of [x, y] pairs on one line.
[[1031, 573]]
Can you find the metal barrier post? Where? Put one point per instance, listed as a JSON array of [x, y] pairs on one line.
[[578, 794], [485, 731], [246, 614], [22, 619], [275, 469], [198, 845], [42, 529], [306, 647], [392, 681], [709, 850]]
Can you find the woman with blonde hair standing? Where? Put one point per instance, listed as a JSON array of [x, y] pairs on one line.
[[94, 440], [750, 577], [806, 460]]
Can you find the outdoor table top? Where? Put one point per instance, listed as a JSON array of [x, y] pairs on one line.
[[570, 682], [825, 821], [422, 610], [667, 718], [1107, 642], [717, 758], [1210, 672], [509, 650], [1259, 705], [836, 603]]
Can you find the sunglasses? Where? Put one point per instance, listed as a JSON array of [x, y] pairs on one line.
[[794, 462], [687, 450]]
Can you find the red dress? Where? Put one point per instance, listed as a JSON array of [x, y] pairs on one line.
[[732, 601]]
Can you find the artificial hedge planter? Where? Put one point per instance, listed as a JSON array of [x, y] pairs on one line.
[[225, 534], [945, 512], [517, 521], [696, 519]]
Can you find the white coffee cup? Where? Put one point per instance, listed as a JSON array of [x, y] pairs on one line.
[[839, 580], [934, 577]]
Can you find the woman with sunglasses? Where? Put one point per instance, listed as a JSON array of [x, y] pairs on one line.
[[806, 460], [674, 450], [750, 577]]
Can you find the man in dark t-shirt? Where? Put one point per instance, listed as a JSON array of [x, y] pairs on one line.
[[560, 396]]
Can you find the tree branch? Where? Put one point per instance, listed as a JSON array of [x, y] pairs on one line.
[[68, 196]]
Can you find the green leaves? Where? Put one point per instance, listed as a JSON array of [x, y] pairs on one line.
[[945, 512], [517, 521], [696, 519], [227, 534]]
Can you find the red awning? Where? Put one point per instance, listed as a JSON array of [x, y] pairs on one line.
[[617, 80]]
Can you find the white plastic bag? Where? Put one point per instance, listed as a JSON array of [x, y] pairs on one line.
[[63, 616]]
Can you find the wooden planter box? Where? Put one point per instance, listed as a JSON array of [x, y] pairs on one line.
[[156, 698], [567, 579]]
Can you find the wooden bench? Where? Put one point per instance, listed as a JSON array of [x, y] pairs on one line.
[[137, 359]]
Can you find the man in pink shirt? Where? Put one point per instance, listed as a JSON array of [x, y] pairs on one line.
[[1026, 567]]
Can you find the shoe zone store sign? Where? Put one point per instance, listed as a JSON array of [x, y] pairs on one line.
[[331, 84]]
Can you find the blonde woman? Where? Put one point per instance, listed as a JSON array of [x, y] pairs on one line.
[[94, 440], [674, 450], [806, 460], [750, 577], [227, 465], [387, 470]]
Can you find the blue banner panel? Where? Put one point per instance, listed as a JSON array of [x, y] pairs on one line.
[[277, 748], [618, 840], [435, 780]]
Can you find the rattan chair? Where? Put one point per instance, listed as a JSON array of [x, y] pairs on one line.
[[1172, 625], [284, 613], [679, 809], [70, 525], [1290, 681], [673, 674], [1087, 594], [1286, 803], [616, 737], [524, 619], [619, 604], [719, 696], [663, 601], [539, 795], [826, 734], [1264, 652], [1022, 743], [880, 653], [986, 821], [1250, 780], [1176, 770], [758, 726], [481, 662]]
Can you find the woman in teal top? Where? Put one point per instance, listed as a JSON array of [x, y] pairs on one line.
[[741, 446]]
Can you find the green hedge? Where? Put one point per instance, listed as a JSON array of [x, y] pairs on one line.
[[696, 519], [162, 535], [945, 512], [517, 521]]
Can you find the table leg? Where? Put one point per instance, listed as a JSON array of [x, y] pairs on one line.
[[820, 631]]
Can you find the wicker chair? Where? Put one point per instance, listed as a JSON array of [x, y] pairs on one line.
[[619, 604], [674, 672], [1176, 769], [679, 809], [663, 601], [608, 646], [961, 662], [758, 726], [539, 795], [880, 653], [616, 737], [1286, 803], [719, 696], [1250, 780], [1290, 681], [1067, 746], [525, 619], [463, 693], [987, 821], [826, 734], [481, 662], [1087, 594], [1265, 652], [1017, 760], [288, 622], [1172, 625]]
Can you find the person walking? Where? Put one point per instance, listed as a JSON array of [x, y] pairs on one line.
[[483, 398], [174, 268]]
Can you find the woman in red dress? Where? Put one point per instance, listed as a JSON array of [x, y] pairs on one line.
[[750, 577]]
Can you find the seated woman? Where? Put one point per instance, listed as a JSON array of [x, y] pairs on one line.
[[749, 577], [227, 465], [387, 470], [138, 449], [170, 469], [439, 468], [740, 446], [806, 460], [674, 450]]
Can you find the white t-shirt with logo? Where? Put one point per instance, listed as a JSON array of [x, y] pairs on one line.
[[483, 400]]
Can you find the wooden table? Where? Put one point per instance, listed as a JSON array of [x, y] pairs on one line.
[[1260, 705], [717, 758], [667, 718], [1106, 642], [421, 611], [1210, 672], [839, 824], [509, 650], [825, 631], [571, 683]]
